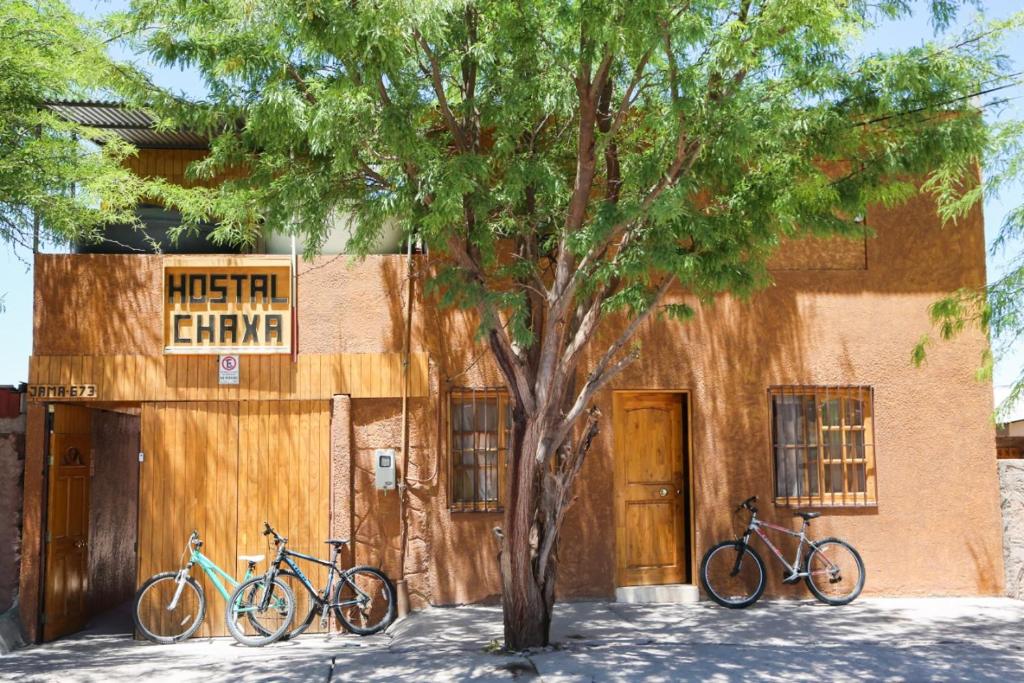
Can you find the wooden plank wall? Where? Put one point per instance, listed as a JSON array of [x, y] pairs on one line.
[[261, 377], [171, 164], [284, 479], [188, 481], [223, 468]]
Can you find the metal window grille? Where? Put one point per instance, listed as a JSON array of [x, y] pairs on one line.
[[479, 422], [823, 446]]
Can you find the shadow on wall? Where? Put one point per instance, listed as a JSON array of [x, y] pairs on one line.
[[811, 327], [1011, 480], [109, 304], [113, 509], [12, 467]]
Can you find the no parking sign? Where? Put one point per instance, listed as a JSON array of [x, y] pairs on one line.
[[228, 366]]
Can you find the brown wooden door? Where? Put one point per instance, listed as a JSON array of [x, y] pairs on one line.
[[67, 522], [222, 468], [651, 529]]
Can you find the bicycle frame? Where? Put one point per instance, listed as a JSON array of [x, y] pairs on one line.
[[216, 574], [322, 599], [796, 570]]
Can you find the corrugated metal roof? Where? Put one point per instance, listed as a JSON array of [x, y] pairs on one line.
[[131, 124]]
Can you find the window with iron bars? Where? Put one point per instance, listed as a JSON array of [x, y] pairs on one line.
[[479, 422], [823, 446]]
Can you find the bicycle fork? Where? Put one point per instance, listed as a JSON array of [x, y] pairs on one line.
[[181, 580]]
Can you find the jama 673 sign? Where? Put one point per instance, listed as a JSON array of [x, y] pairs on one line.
[[227, 305]]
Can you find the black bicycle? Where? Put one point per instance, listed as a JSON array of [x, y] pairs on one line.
[[362, 598]]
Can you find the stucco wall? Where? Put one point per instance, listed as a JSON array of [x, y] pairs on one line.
[[1011, 482], [12, 465], [934, 453], [113, 509]]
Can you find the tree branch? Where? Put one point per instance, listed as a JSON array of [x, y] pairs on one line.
[[602, 371], [442, 99]]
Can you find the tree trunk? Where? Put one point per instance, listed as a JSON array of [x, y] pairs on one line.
[[526, 617], [537, 500]]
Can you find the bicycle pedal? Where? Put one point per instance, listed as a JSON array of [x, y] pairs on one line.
[[792, 578]]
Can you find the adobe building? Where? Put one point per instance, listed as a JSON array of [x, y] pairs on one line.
[[140, 428]]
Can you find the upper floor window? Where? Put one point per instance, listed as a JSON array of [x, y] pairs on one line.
[[479, 422], [823, 445]]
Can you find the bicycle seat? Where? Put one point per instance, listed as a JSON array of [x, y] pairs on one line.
[[808, 516], [251, 558], [337, 541]]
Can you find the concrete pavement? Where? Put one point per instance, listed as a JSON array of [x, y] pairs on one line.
[[873, 639]]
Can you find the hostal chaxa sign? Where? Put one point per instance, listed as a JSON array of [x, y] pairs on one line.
[[227, 305]]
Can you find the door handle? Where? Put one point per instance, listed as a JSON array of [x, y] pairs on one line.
[[663, 492]]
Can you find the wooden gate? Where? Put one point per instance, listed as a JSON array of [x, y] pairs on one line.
[[223, 467], [67, 538]]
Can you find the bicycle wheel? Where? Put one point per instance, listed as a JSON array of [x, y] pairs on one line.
[[305, 604], [729, 585], [364, 600], [835, 572], [251, 624], [155, 617]]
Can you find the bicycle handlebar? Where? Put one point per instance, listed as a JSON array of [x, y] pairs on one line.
[[748, 504], [269, 531]]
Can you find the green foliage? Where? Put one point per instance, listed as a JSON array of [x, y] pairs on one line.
[[564, 160], [47, 172], [331, 106]]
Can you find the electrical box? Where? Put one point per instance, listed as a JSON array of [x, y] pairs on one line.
[[384, 466]]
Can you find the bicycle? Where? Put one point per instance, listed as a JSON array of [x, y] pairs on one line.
[[363, 598], [171, 606], [733, 573]]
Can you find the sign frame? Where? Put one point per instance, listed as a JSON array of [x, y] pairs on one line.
[[249, 262]]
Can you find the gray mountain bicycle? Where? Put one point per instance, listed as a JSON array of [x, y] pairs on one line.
[[733, 573]]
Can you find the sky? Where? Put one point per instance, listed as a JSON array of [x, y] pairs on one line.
[[16, 276]]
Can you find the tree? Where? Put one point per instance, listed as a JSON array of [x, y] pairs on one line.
[[572, 162], [53, 186]]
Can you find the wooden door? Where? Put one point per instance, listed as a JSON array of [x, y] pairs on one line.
[[651, 528], [284, 478], [67, 522], [223, 468], [188, 480]]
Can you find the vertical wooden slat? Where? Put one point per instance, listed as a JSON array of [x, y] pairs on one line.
[[64, 374], [154, 378], [85, 375], [421, 366], [75, 373], [42, 369], [376, 374], [315, 375], [287, 385], [246, 539], [363, 388], [323, 476], [268, 378], [345, 378], [276, 442], [393, 375]]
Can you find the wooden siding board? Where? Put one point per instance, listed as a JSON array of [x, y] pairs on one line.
[[137, 378]]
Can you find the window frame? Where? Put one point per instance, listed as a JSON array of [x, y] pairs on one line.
[[822, 395], [500, 394]]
